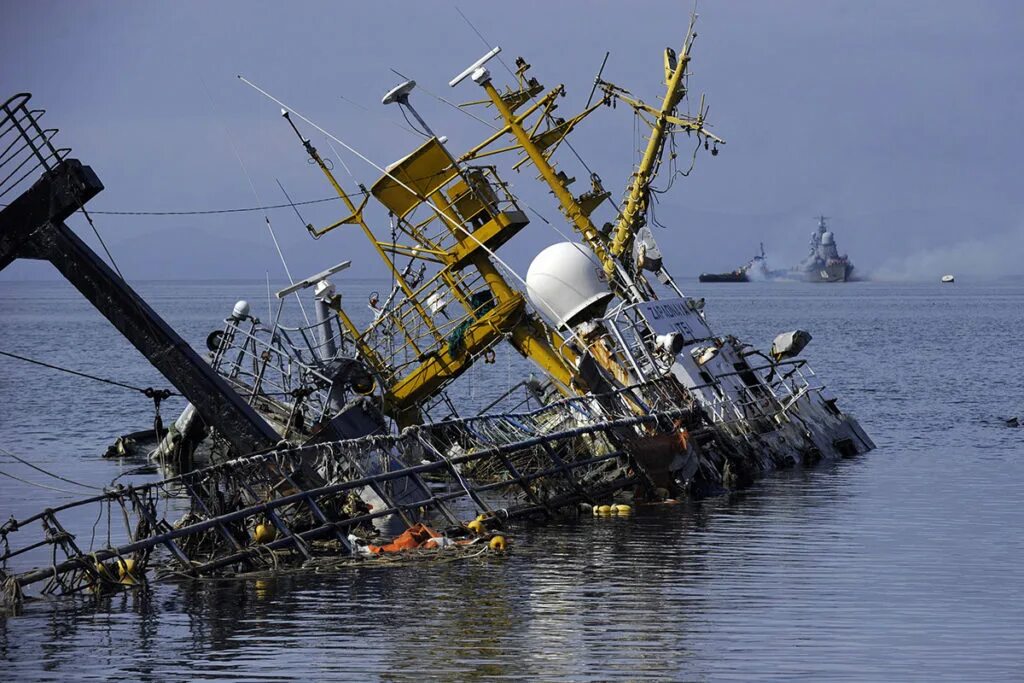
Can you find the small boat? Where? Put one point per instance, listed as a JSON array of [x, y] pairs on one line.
[[738, 275], [756, 266], [948, 279]]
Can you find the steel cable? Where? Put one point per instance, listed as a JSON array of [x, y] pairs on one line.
[[49, 474], [149, 391]]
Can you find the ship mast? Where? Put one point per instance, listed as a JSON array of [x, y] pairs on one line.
[[469, 213], [539, 145], [665, 122], [614, 251], [475, 215]]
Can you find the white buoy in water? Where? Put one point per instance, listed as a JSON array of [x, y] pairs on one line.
[[948, 279]]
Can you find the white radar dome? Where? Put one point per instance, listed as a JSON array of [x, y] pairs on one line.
[[566, 285], [827, 238], [241, 310]]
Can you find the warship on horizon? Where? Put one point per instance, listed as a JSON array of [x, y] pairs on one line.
[[823, 263]]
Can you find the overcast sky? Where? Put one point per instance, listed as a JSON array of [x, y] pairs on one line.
[[900, 120]]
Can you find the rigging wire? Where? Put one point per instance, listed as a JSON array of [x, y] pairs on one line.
[[49, 474], [389, 120], [146, 391], [252, 186], [443, 216], [302, 221], [448, 102], [586, 252], [103, 244], [347, 170], [548, 115], [211, 212]]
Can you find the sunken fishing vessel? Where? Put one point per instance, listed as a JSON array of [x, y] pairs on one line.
[[342, 442]]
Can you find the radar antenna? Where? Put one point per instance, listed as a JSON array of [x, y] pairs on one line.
[[400, 95]]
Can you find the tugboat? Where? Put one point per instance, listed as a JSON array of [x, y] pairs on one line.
[[823, 263], [757, 265]]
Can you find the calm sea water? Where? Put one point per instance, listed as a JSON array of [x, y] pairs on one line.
[[904, 564]]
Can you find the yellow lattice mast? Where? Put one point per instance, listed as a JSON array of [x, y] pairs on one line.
[[538, 144], [540, 139], [663, 122], [453, 218]]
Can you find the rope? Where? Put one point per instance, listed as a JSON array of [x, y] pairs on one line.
[[149, 392], [42, 486], [49, 474], [256, 194], [211, 212]]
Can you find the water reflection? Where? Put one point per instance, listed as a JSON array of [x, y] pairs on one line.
[[612, 596]]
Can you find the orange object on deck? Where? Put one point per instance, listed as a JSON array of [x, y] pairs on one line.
[[417, 536]]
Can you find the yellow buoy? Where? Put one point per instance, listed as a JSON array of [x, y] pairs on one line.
[[605, 509], [126, 570], [498, 544], [596, 510], [623, 509], [264, 533], [96, 584], [476, 526]]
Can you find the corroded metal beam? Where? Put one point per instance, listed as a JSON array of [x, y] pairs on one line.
[[32, 226]]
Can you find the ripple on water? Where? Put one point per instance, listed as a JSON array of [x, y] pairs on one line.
[[902, 564]]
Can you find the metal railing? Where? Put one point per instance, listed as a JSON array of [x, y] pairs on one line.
[[400, 337], [503, 467], [283, 364], [25, 146]]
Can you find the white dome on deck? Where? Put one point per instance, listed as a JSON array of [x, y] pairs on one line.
[[566, 285]]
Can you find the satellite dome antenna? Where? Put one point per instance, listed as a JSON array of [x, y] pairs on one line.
[[400, 94]]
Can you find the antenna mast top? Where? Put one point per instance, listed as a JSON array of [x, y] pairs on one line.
[[400, 95]]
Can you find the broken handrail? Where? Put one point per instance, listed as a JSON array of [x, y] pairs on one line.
[[86, 569]]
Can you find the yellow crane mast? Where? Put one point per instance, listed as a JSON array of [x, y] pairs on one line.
[[538, 144], [455, 217], [663, 121]]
